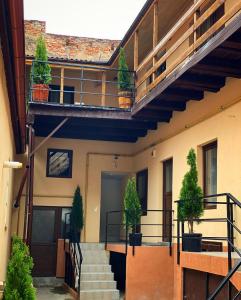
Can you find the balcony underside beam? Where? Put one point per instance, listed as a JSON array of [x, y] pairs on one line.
[[205, 70]]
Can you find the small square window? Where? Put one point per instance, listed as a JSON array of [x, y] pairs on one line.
[[59, 163]]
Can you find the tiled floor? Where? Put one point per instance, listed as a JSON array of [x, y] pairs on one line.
[[57, 293]]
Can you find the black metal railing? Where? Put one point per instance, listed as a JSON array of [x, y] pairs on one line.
[[117, 237], [81, 85], [229, 203], [73, 259]]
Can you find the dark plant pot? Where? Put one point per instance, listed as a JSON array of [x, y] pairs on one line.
[[135, 239], [40, 92], [75, 237], [192, 242]]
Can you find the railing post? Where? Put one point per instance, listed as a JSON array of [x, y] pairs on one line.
[[126, 231], [31, 83], [106, 229], [178, 236], [61, 100], [81, 86], [103, 88], [170, 233], [229, 243]]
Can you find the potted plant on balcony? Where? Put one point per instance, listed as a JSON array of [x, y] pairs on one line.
[[124, 82], [190, 206], [133, 212], [40, 72], [76, 217]]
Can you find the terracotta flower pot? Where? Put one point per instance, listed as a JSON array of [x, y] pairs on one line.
[[125, 100], [40, 92]]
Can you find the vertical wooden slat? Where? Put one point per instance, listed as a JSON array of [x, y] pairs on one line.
[[155, 32], [62, 86], [136, 50], [195, 16], [103, 92]]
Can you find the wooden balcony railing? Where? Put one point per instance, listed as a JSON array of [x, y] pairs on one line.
[[195, 28], [73, 84]]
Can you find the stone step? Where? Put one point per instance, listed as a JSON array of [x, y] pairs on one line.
[[95, 260], [101, 268], [92, 246], [99, 295], [97, 285], [97, 276]]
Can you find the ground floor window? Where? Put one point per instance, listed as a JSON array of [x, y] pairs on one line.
[[210, 171]]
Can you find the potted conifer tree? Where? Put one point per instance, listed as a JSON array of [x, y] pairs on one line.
[[76, 217], [191, 205], [40, 72], [132, 215], [19, 283], [124, 82]]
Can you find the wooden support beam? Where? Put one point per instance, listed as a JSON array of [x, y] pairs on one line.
[[167, 106], [136, 50], [61, 86], [52, 122], [85, 130], [158, 116], [155, 32], [103, 89], [199, 82]]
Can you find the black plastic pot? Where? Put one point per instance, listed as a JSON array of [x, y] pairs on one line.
[[75, 236], [192, 242], [135, 239]]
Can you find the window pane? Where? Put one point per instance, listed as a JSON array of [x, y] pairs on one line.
[[43, 228], [59, 163], [210, 157], [168, 177], [65, 216]]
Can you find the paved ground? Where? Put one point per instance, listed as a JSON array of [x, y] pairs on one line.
[[53, 293]]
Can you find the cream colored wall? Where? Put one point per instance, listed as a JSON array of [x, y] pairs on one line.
[[218, 116], [87, 168], [7, 150]]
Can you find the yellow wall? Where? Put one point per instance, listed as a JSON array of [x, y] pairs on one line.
[[7, 150], [216, 117], [59, 191]]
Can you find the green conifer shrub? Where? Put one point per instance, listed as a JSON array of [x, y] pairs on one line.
[[19, 285], [191, 204], [41, 71], [77, 215], [132, 205], [124, 77]]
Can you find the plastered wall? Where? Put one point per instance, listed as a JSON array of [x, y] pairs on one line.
[[7, 150], [217, 117]]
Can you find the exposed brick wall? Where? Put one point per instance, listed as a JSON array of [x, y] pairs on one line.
[[68, 47]]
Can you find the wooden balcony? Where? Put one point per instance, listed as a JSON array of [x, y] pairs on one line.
[[196, 55], [81, 85]]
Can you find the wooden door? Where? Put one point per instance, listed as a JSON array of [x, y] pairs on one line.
[[167, 200], [47, 227]]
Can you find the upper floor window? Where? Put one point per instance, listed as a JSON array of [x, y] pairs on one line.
[[59, 163], [142, 189], [210, 172], [54, 94]]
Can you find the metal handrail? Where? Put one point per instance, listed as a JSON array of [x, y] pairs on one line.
[[230, 237], [76, 257], [170, 212]]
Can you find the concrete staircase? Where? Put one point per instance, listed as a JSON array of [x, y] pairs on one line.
[[97, 280]]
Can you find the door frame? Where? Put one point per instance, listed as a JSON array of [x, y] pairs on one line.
[[57, 225], [164, 227]]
